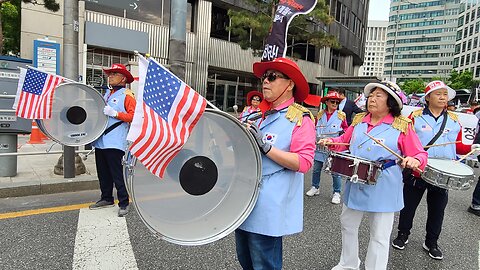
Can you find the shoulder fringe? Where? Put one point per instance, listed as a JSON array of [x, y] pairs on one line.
[[401, 123], [358, 118], [296, 112], [453, 116], [320, 114], [341, 115], [129, 92], [417, 113]]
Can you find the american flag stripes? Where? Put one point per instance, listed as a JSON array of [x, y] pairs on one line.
[[167, 111], [35, 94]]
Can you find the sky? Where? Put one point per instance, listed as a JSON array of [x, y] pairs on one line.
[[378, 10]]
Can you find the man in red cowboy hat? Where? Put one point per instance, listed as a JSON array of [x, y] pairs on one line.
[[285, 138], [110, 147], [253, 101], [331, 122]]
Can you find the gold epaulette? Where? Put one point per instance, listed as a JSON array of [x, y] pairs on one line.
[[320, 114], [296, 112], [417, 113], [401, 123], [453, 116], [358, 118], [341, 115], [129, 92]]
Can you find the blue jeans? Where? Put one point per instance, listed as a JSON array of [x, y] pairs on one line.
[[317, 170], [476, 194], [257, 251]]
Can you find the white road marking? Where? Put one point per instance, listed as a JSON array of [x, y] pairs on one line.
[[102, 241]]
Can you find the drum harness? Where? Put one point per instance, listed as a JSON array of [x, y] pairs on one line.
[[406, 173]]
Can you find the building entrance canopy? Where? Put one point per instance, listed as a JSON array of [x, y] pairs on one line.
[[353, 85]]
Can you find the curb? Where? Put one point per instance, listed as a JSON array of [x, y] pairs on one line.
[[38, 189]]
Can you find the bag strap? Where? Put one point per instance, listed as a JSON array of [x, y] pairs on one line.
[[112, 127], [442, 127]]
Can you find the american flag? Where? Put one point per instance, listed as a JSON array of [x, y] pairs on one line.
[[167, 111], [35, 94]]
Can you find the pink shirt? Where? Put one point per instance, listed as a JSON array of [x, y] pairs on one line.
[[408, 143], [303, 140]]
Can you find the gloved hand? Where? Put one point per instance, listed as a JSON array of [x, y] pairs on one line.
[[258, 135], [110, 111], [475, 146]]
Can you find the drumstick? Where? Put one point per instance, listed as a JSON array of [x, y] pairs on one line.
[[336, 143], [468, 154], [441, 144], [389, 150]]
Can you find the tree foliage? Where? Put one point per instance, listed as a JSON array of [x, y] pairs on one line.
[[309, 28], [10, 22], [413, 86], [461, 80]]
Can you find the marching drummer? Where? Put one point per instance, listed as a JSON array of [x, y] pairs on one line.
[[382, 121], [253, 100], [434, 125], [110, 147], [330, 123], [284, 138]]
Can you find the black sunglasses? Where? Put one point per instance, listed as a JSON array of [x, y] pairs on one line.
[[334, 101], [256, 99], [272, 76]]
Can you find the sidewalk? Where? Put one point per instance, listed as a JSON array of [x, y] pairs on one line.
[[35, 172]]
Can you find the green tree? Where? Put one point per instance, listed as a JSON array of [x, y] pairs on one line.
[[304, 28], [413, 86], [10, 22], [461, 80]]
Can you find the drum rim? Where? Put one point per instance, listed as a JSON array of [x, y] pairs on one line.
[[224, 231], [41, 126]]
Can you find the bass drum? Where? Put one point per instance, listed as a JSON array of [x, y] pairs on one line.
[[77, 115], [208, 189]]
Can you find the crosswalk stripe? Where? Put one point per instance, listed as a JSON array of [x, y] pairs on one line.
[[102, 241]]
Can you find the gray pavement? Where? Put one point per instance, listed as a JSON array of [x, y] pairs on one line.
[[35, 173]]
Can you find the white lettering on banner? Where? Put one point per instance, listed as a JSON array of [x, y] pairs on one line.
[[270, 52], [9, 75], [278, 18], [9, 118]]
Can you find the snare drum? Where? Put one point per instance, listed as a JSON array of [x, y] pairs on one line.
[[448, 174], [355, 169], [208, 189]]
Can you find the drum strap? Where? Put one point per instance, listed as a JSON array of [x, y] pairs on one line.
[[442, 127], [388, 163], [112, 127]]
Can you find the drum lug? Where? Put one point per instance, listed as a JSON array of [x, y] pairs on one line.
[[328, 165], [354, 178]]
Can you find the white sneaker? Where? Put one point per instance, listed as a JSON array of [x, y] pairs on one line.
[[336, 198], [313, 191]]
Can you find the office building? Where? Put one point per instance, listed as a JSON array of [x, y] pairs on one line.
[[421, 39], [467, 50], [375, 41], [216, 66]]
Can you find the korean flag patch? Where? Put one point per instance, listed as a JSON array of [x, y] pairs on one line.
[[270, 138]]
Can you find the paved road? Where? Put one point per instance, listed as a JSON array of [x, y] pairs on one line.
[[70, 240]]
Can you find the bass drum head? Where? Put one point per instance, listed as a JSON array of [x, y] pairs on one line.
[[77, 115], [208, 189]]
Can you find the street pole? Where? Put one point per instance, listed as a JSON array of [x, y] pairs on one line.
[[70, 69], [178, 37], [394, 45]]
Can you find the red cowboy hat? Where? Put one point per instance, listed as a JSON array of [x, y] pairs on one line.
[[251, 94], [119, 68], [289, 68], [331, 95]]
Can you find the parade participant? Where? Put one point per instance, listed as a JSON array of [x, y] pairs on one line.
[[347, 106], [451, 106], [330, 123], [428, 122], [475, 206], [383, 121], [253, 100], [284, 136], [110, 147]]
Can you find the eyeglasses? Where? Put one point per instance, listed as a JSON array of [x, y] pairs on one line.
[[334, 101], [256, 99], [272, 76]]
